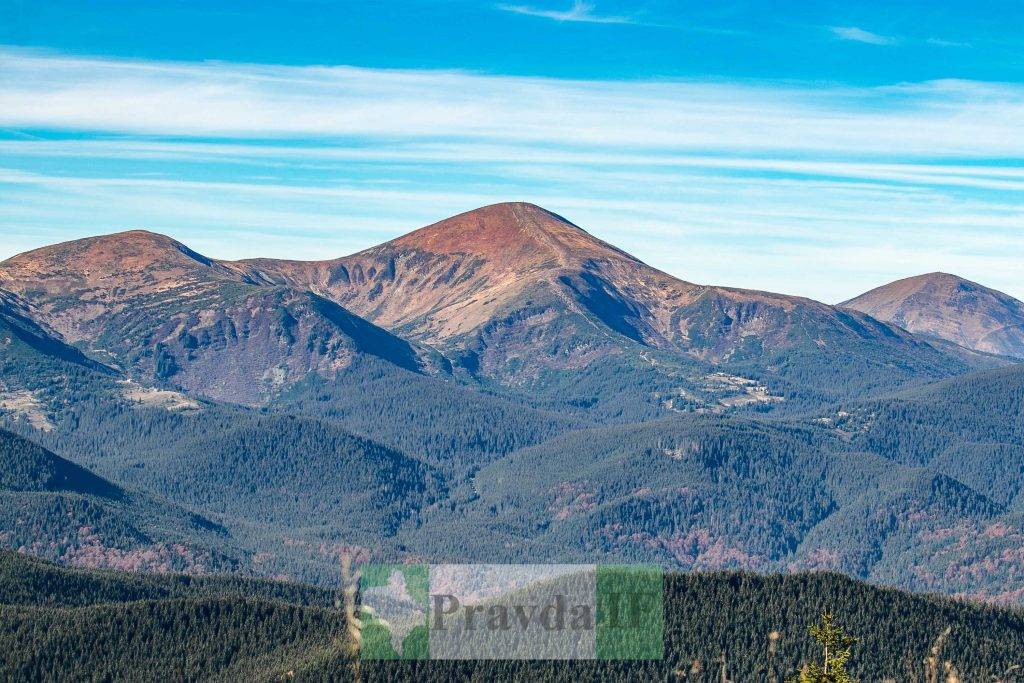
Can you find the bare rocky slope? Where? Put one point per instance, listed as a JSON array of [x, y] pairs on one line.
[[514, 289], [508, 292], [951, 308]]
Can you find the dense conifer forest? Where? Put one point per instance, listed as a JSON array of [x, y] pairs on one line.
[[70, 624]]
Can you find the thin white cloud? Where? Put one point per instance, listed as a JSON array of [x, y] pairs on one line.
[[905, 176], [859, 35], [941, 42], [580, 11], [956, 118], [809, 188]]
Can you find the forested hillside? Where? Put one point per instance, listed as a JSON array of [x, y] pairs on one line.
[[451, 426], [55, 509], [706, 492], [499, 386], [907, 489], [64, 624]]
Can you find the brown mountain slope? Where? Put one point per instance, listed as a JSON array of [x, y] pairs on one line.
[[155, 308], [449, 278], [951, 308], [520, 287], [76, 284], [510, 291]]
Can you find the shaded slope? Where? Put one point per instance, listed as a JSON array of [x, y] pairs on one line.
[[23, 339], [56, 509], [28, 467]]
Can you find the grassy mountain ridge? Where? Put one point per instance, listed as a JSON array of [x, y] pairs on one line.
[[161, 312], [510, 293], [516, 293]]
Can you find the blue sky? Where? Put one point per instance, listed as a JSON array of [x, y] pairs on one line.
[[807, 147]]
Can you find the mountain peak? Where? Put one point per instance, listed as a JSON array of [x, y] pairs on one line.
[[104, 271], [933, 284], [94, 259], [937, 277], [509, 233], [950, 307]]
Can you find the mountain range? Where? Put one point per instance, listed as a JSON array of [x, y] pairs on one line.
[[503, 386]]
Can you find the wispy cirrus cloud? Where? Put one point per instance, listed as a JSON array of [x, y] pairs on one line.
[[959, 118], [580, 11], [859, 35], [811, 189], [942, 42]]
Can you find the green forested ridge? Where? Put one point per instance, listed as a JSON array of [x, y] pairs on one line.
[[192, 639], [651, 456], [971, 427], [452, 427], [905, 489], [579, 495], [811, 372], [735, 613], [29, 581], [61, 624], [56, 509], [68, 624], [266, 466], [705, 492]]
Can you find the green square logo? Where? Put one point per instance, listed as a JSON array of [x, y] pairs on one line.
[[393, 611], [495, 611], [630, 612]]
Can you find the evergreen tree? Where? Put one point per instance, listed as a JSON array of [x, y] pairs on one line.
[[837, 646]]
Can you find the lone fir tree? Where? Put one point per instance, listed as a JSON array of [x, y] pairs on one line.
[[836, 645]]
